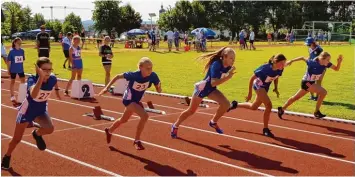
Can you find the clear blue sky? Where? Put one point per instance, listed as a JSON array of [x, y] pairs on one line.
[[142, 6]]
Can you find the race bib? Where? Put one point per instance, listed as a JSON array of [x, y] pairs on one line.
[[18, 59], [315, 77], [258, 82], [140, 86], [43, 95], [270, 79], [77, 53]]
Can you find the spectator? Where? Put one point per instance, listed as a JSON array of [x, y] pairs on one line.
[[177, 39], [43, 44], [170, 38], [82, 35], [251, 39]]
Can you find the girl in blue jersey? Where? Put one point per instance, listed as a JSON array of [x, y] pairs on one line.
[[15, 61], [139, 81], [76, 62], [315, 69], [34, 108], [220, 69], [260, 81]]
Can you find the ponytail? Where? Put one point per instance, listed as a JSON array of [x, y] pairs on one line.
[[217, 55], [277, 58]]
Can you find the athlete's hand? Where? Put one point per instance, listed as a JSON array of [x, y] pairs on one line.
[[231, 72], [109, 56], [340, 58], [277, 92], [248, 98], [39, 71]]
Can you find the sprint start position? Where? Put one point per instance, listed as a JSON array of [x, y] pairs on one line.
[[315, 71], [34, 108], [220, 69], [139, 81]]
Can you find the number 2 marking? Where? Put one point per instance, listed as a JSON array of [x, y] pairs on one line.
[[43, 96]]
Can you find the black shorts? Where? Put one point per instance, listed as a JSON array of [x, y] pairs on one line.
[[251, 41], [106, 62], [43, 53], [66, 53], [304, 84], [13, 75]]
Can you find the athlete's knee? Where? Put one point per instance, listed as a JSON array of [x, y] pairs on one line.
[[268, 105], [323, 92], [224, 105], [144, 117], [49, 129]]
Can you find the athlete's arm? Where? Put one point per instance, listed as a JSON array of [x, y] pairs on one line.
[[118, 76], [276, 83], [296, 59], [100, 52], [70, 56], [215, 82], [337, 67], [56, 88], [35, 89], [158, 87]]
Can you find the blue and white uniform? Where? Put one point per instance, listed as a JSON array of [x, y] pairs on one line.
[[76, 56], [313, 73], [216, 71], [3, 51], [137, 84], [35, 107], [16, 58], [265, 75], [66, 46]]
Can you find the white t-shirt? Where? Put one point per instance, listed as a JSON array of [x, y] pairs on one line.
[[170, 35], [252, 35], [3, 51]]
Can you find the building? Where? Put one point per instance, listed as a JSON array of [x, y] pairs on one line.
[[162, 10]]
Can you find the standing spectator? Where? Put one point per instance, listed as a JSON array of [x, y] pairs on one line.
[[176, 39], [157, 36], [170, 38], [269, 38], [203, 41], [113, 37], [66, 43], [82, 35], [4, 55], [275, 36], [60, 37], [329, 37], [245, 39], [154, 39], [251, 39], [241, 40], [99, 40], [43, 44]]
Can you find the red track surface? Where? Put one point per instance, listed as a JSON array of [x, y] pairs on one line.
[[304, 147]]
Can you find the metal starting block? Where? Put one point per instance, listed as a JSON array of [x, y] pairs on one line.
[[187, 102], [98, 114], [151, 108]]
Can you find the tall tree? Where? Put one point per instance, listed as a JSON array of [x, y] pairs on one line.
[[55, 27], [73, 22], [26, 19], [38, 20], [109, 14], [12, 12]]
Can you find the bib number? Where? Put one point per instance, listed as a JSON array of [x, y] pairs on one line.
[[77, 53], [315, 77], [86, 90], [140, 86], [270, 79], [43, 95], [18, 59]]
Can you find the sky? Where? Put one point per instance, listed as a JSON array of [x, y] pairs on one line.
[[144, 7]]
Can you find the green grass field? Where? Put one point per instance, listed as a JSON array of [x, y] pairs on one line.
[[178, 71]]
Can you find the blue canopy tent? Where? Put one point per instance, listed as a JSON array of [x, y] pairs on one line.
[[134, 32], [210, 34], [39, 30]]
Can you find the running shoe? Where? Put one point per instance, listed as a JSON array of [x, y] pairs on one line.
[[108, 135], [267, 132], [173, 131], [138, 145], [41, 145], [318, 114], [5, 163], [280, 112], [215, 126]]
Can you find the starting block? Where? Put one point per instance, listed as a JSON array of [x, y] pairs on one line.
[[82, 89], [187, 102], [98, 114], [151, 108]]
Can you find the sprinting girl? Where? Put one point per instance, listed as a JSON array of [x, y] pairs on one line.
[[34, 108], [315, 68], [107, 55], [139, 81], [260, 81], [15, 61], [314, 51], [220, 69], [76, 62]]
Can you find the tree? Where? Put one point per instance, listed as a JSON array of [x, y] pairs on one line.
[[26, 19], [12, 12], [55, 27], [72, 23], [38, 20], [108, 15]]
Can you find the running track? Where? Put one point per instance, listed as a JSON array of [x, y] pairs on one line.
[[304, 147]]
